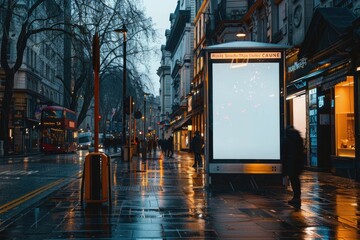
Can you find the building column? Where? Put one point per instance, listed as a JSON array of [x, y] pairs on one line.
[[355, 68]]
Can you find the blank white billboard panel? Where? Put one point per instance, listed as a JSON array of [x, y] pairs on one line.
[[246, 111]]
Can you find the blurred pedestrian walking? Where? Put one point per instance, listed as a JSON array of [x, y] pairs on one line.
[[170, 147], [293, 161], [196, 147]]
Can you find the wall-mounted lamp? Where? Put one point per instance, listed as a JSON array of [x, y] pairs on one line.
[[241, 35]]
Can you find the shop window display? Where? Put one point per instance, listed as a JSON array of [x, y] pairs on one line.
[[344, 118], [313, 127]]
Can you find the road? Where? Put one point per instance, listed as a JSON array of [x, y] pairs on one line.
[[25, 180]]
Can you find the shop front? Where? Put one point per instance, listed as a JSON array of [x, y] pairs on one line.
[[326, 96], [296, 95], [327, 80], [329, 118], [182, 134], [345, 119]]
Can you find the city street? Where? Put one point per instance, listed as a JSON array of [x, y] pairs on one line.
[[25, 180], [165, 198], [265, 90]]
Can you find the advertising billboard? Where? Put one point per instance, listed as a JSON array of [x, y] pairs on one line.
[[246, 111], [245, 99]]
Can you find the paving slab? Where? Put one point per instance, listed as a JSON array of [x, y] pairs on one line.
[[165, 198]]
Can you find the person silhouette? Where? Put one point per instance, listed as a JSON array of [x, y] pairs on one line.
[[196, 147], [293, 161], [170, 147]]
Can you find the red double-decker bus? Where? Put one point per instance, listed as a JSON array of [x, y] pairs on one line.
[[58, 130]]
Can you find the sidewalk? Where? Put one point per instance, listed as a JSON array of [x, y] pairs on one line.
[[164, 198]]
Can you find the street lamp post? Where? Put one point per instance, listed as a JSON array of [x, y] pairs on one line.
[[123, 30], [144, 140]]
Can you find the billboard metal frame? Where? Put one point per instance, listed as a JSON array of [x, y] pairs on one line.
[[243, 52]]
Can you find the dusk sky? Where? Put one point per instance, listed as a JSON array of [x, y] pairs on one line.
[[159, 11]]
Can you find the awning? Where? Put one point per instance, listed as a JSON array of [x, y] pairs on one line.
[[333, 79], [306, 77], [300, 83], [182, 123]]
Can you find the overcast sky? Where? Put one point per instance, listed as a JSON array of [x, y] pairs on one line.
[[159, 11]]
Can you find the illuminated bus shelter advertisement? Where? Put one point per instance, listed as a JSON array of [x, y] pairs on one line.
[[245, 111]]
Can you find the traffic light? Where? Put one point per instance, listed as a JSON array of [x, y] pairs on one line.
[[127, 103]]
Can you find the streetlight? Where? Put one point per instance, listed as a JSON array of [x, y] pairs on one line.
[[144, 140], [241, 35], [123, 30]]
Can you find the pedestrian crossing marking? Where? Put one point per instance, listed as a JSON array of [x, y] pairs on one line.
[[18, 172]]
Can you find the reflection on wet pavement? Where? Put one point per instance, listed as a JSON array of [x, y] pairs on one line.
[[163, 198]]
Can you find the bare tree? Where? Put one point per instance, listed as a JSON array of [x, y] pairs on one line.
[[101, 17], [88, 17]]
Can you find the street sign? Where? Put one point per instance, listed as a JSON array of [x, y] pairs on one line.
[[137, 115]]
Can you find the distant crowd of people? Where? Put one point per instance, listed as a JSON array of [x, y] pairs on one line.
[[152, 144], [167, 146], [114, 143]]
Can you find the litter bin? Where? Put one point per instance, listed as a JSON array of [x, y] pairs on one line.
[[96, 178], [126, 150]]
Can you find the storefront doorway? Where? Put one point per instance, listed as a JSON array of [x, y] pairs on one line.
[[344, 119]]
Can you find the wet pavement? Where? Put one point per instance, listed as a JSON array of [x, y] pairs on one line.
[[165, 198]]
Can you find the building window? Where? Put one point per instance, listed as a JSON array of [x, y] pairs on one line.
[[47, 72], [344, 118], [167, 99], [168, 87], [202, 27], [35, 59], [27, 56], [317, 3], [9, 50]]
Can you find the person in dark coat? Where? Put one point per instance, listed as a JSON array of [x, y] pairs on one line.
[[196, 147], [293, 161], [137, 142], [170, 147]]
